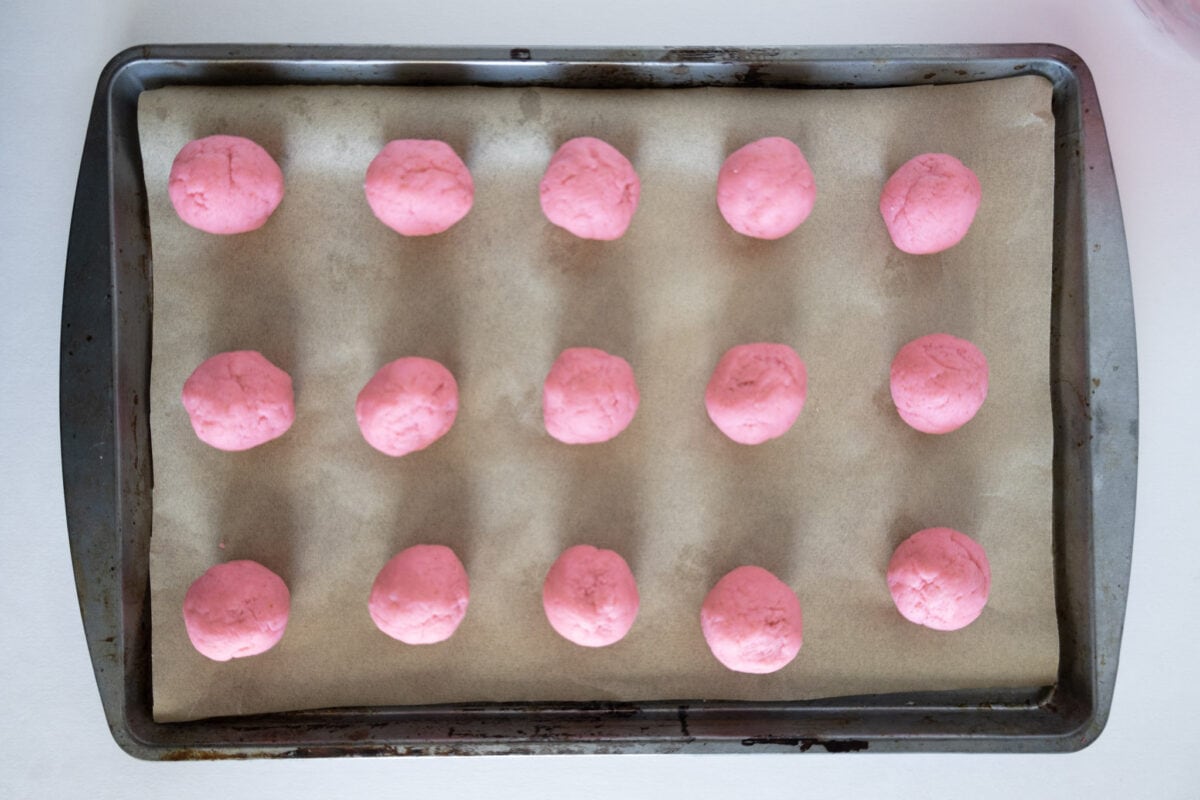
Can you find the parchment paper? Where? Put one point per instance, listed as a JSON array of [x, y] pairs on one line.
[[330, 294]]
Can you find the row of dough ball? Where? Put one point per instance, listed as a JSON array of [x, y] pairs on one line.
[[751, 620], [418, 187], [238, 400]]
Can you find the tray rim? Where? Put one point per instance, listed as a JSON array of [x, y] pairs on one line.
[[104, 477]]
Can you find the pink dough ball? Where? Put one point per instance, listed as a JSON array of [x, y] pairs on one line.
[[939, 382], [766, 189], [589, 396], [421, 595], [419, 187], [590, 596], [408, 405], [239, 400], [939, 578], [590, 189], [236, 609], [752, 621], [756, 392], [224, 184], [929, 203]]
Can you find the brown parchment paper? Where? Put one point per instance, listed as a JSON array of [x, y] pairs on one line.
[[330, 294]]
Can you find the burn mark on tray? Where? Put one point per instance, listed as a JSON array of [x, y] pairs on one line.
[[720, 54], [806, 744]]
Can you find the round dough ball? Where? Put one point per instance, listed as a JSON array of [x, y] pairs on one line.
[[939, 578], [756, 392], [408, 405], [589, 396], [929, 203], [590, 596], [939, 382], [419, 187], [224, 184], [239, 400], [421, 595], [766, 189], [236, 609], [590, 189], [752, 621]]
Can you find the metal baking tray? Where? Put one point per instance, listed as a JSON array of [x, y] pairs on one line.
[[107, 453]]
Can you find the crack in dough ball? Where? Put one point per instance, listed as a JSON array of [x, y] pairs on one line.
[[589, 396], [590, 596], [939, 382], [408, 405], [752, 621], [224, 184], [239, 400], [590, 189], [766, 189], [929, 203], [420, 596], [235, 610], [756, 392], [419, 187], [939, 578]]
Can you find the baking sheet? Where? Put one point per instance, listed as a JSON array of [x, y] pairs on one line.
[[330, 294]]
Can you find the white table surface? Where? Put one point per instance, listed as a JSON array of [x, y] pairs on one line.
[[53, 738]]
